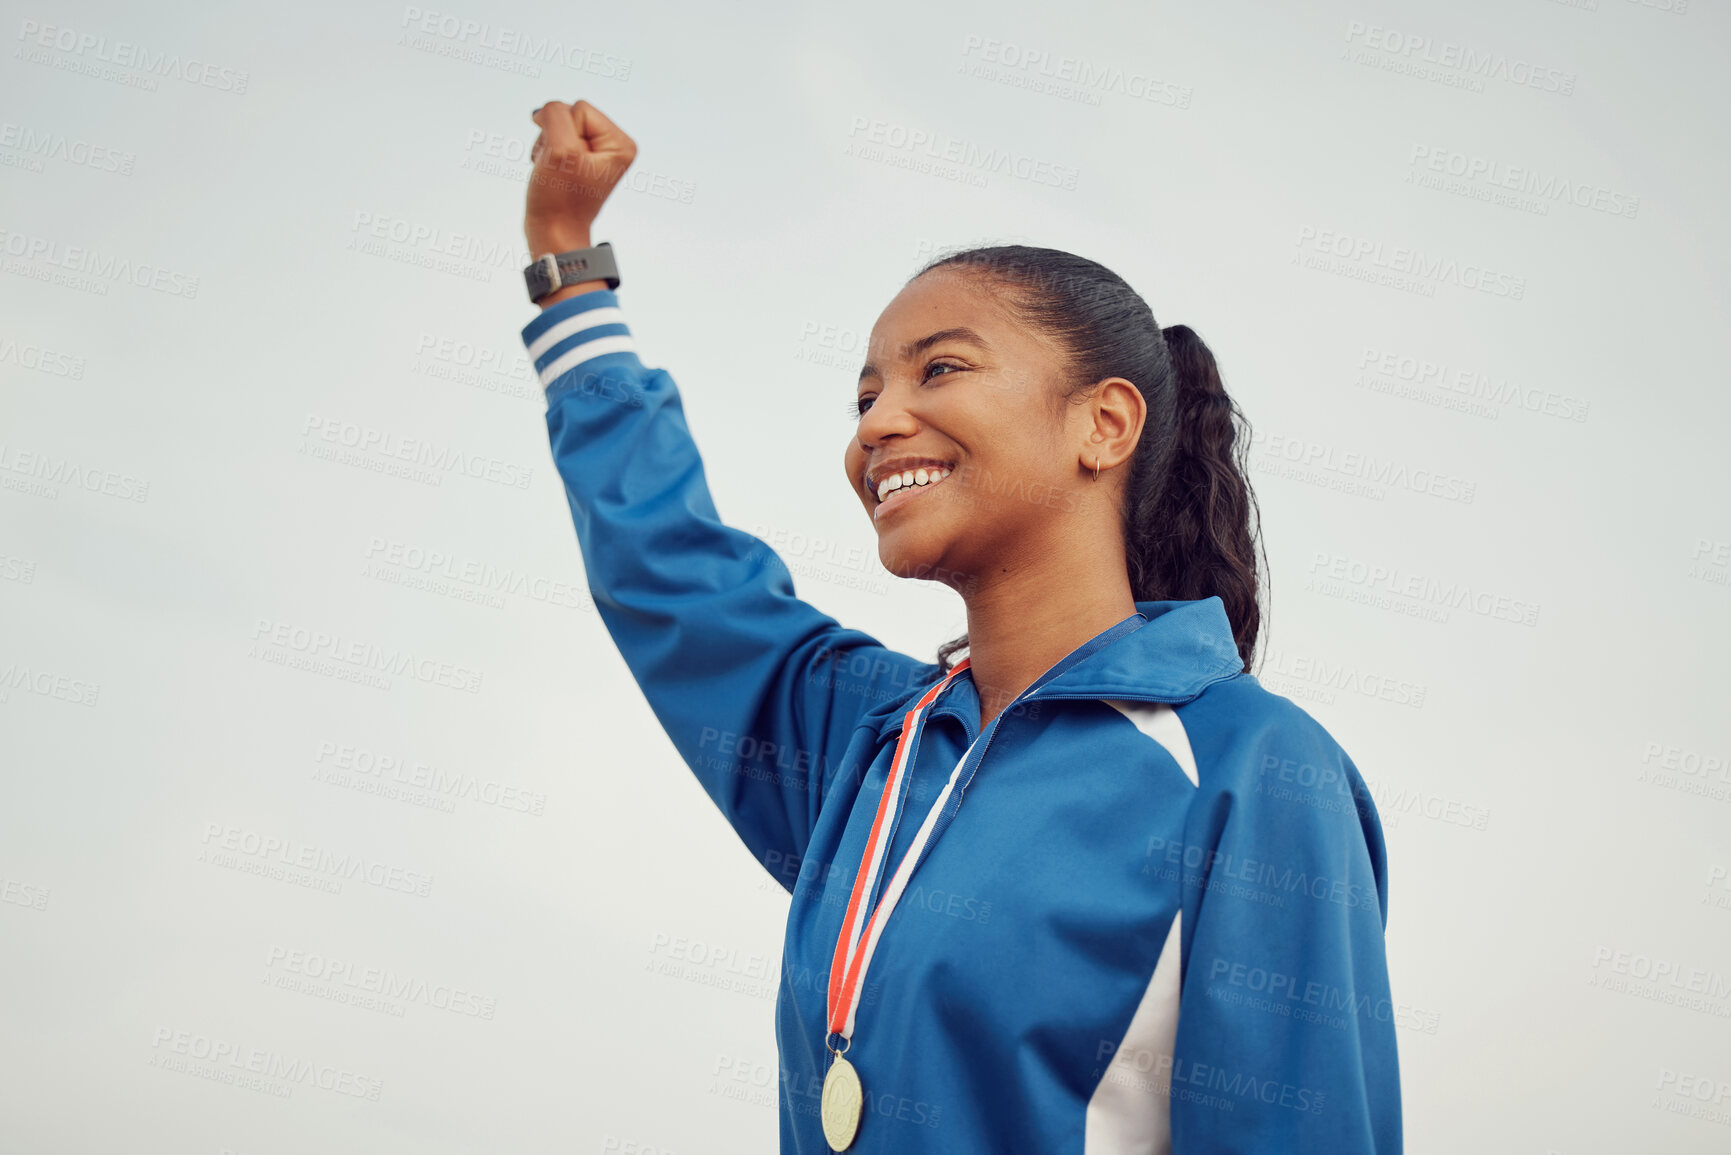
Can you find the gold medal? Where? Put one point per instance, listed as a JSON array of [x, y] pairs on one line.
[[841, 1104]]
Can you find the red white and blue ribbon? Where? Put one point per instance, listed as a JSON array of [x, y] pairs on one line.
[[860, 928]]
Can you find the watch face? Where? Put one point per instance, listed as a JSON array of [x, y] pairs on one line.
[[535, 276]]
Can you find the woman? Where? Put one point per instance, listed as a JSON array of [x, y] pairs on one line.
[[1156, 923]]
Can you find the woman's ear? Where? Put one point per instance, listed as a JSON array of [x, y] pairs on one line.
[[1115, 415]]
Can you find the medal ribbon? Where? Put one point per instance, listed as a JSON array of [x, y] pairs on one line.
[[848, 963], [860, 932]]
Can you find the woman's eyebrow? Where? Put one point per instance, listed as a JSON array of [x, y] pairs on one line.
[[915, 348]]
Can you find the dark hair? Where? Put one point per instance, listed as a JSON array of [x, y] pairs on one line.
[[1188, 506]]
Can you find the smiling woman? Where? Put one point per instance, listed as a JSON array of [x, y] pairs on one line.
[[1049, 370], [1157, 923]]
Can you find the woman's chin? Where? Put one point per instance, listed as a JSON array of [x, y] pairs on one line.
[[909, 557]]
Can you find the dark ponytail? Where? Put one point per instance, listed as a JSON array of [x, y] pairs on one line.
[[1190, 518]]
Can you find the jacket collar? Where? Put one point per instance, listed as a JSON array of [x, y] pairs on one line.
[[1182, 648]]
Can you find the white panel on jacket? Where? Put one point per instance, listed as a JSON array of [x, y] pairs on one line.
[[1130, 1112], [1131, 1108], [1160, 722]]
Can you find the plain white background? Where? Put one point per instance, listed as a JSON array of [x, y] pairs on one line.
[[1463, 267]]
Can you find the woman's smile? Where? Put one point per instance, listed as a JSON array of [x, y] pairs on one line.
[[900, 488]]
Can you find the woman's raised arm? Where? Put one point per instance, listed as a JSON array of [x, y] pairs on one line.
[[759, 691]]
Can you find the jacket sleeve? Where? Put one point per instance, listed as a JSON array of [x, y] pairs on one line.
[[758, 690], [1286, 1024]]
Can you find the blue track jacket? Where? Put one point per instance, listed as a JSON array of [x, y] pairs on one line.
[[1154, 925]]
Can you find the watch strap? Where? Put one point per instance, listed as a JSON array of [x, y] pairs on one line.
[[552, 271]]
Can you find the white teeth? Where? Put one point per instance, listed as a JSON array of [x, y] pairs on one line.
[[910, 477]]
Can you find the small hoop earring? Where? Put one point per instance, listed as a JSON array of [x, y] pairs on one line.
[[1096, 467]]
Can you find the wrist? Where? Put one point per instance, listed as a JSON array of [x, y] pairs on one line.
[[564, 292], [558, 242], [563, 241]]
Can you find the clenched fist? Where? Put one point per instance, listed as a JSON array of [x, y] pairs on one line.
[[578, 159]]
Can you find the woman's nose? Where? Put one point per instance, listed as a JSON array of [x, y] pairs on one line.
[[885, 417]]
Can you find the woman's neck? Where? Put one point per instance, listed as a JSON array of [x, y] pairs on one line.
[[1026, 621]]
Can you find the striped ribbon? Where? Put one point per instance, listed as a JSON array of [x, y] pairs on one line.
[[860, 931]]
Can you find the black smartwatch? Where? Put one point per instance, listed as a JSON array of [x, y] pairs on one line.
[[553, 271]]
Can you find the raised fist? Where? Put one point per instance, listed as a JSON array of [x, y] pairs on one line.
[[578, 157]]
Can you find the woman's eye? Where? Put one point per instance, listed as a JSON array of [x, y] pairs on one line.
[[856, 408]]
